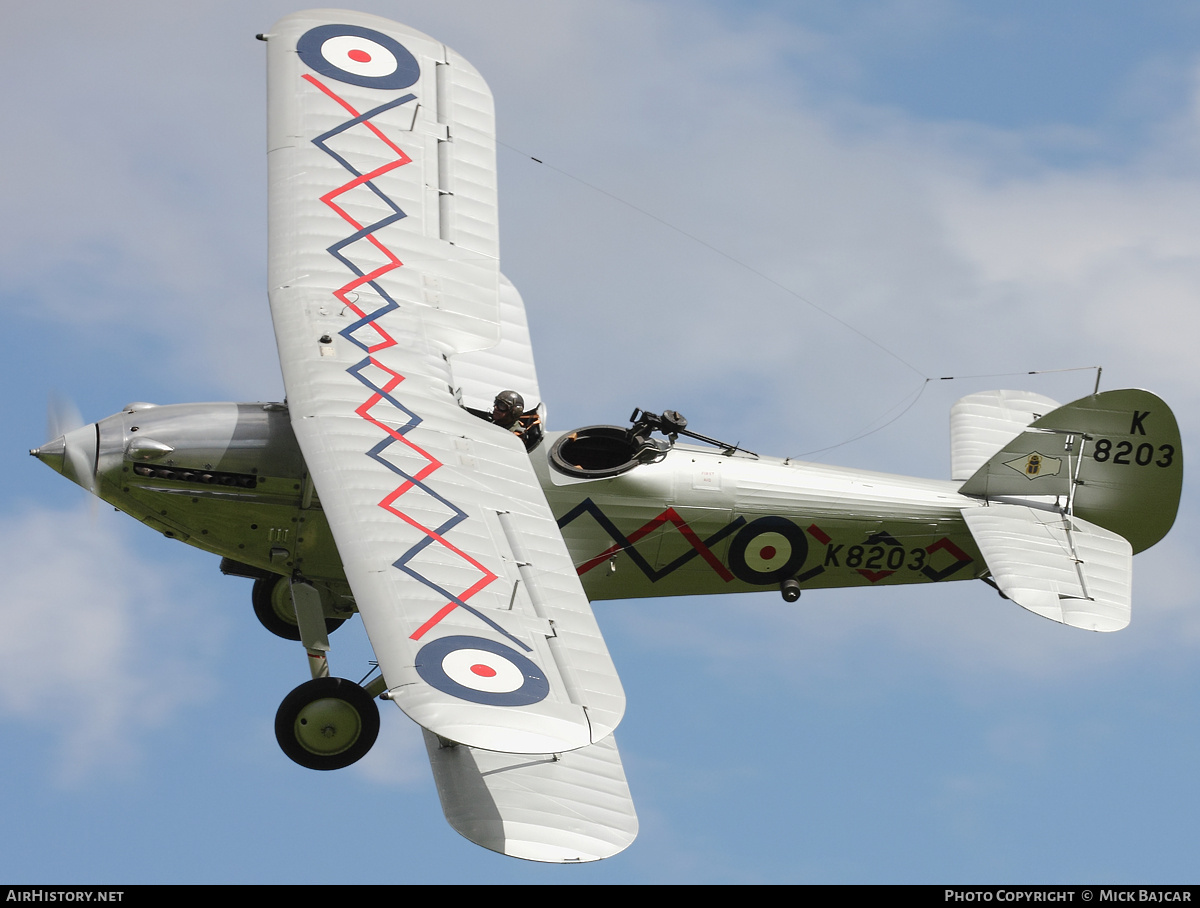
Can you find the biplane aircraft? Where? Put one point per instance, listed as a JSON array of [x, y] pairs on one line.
[[389, 485]]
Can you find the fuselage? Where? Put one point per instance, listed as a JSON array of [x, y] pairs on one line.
[[230, 479]]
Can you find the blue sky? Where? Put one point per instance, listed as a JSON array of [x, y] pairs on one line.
[[983, 189]]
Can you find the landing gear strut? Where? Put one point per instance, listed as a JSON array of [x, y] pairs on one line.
[[325, 723], [273, 606]]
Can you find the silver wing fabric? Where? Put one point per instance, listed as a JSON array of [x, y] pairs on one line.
[[983, 423], [560, 808], [478, 373], [1056, 565], [384, 281]]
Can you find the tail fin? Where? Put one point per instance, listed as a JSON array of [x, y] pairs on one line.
[[1114, 459], [981, 424]]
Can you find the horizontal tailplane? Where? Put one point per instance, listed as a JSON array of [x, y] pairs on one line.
[[1057, 566]]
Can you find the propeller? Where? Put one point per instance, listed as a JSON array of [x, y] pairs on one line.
[[62, 416], [73, 445]]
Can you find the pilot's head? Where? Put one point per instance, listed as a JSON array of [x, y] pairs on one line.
[[507, 408]]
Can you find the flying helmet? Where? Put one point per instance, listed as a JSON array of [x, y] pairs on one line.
[[509, 402]]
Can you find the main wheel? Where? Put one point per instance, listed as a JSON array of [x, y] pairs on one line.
[[272, 597], [327, 723]]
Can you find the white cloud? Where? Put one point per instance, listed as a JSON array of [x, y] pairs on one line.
[[102, 645], [943, 242], [954, 246]]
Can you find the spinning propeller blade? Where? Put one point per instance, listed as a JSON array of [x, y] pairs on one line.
[[73, 445]]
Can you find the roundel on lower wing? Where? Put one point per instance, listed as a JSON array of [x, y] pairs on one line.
[[360, 56], [768, 550], [481, 671]]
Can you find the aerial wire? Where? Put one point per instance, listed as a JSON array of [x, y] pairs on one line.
[[725, 255], [925, 379]]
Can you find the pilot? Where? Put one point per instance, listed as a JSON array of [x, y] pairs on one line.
[[507, 409]]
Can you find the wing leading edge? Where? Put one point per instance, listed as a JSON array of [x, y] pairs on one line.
[[383, 271]]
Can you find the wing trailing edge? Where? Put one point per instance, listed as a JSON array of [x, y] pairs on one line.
[[556, 808]]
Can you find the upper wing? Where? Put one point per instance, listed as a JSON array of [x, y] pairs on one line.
[[479, 373], [383, 276]]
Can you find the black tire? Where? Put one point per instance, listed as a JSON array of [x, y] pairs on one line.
[[327, 723], [272, 598]]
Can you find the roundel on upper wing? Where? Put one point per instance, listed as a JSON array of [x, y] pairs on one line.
[[482, 671], [768, 550], [360, 56]]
